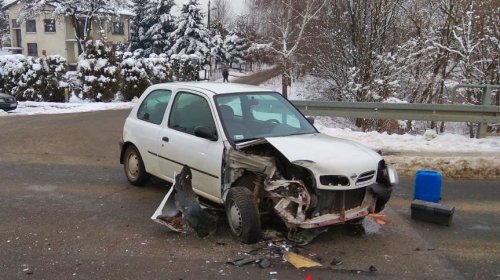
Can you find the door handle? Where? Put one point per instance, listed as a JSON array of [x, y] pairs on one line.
[[165, 138]]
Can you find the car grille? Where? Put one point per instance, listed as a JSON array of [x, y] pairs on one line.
[[364, 177], [333, 201]]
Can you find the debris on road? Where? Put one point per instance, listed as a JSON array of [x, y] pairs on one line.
[[378, 218], [181, 206], [186, 201], [265, 263], [299, 261], [166, 214], [305, 236], [27, 269], [245, 261], [336, 262]]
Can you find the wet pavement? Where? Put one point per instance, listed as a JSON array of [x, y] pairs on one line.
[[68, 212]]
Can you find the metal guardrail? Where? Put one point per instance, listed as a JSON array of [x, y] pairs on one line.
[[485, 100], [481, 114], [402, 111]]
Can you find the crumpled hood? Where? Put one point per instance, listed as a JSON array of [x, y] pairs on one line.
[[325, 154]]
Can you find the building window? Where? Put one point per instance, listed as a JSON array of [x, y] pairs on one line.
[[117, 28], [15, 24], [32, 49], [50, 25], [30, 25]]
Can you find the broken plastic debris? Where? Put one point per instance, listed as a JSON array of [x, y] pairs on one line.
[[299, 261], [167, 214], [264, 263], [378, 218], [336, 262], [242, 262], [180, 208], [26, 269]]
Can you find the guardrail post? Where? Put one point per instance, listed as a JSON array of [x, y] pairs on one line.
[[485, 100]]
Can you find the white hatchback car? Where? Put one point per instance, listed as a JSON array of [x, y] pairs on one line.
[[251, 151]]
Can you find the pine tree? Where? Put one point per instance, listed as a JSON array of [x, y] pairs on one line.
[[159, 68], [98, 71], [54, 67], [191, 35], [135, 77], [236, 45], [30, 80], [164, 25], [140, 25], [218, 51]]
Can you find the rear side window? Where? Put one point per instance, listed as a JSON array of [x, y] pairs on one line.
[[153, 107], [189, 111]]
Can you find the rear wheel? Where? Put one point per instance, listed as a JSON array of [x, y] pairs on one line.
[[134, 167], [243, 214]]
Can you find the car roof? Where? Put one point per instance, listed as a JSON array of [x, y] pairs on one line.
[[212, 88]]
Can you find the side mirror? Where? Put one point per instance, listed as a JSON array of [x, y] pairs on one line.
[[205, 132], [311, 120]]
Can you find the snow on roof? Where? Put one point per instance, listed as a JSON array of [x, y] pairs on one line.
[[7, 3]]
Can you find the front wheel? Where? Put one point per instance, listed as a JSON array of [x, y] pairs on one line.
[[243, 215], [134, 167]]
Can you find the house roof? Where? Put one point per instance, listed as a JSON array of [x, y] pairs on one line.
[[8, 3]]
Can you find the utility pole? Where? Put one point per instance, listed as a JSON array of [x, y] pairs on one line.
[[208, 16]]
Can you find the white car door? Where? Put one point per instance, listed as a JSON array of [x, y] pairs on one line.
[[146, 127], [180, 146]]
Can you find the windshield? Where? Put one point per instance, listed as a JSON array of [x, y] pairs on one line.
[[247, 116]]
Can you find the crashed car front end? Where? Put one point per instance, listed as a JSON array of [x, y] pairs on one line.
[[307, 193]]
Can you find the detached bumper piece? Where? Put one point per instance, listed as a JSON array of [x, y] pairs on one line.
[[432, 212]]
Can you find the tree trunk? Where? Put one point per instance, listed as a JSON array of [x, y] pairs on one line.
[[285, 78]]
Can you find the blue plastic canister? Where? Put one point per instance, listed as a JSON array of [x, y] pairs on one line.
[[427, 186]]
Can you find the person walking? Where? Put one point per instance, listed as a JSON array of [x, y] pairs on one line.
[[225, 74]]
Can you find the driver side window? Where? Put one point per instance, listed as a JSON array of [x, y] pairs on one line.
[[190, 111]]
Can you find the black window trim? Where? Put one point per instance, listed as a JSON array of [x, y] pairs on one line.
[[196, 93], [45, 25], [121, 30]]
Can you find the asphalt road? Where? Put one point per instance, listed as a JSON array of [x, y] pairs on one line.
[[67, 212]]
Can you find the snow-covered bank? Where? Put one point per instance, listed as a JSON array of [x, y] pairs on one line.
[[33, 108]]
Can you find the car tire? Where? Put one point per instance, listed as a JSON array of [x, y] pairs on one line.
[[243, 215], [134, 167]]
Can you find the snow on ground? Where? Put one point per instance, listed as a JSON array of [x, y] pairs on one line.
[[33, 108], [454, 155]]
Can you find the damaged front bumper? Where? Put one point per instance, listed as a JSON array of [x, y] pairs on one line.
[[324, 208], [311, 206]]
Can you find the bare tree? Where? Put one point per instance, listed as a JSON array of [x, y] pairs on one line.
[[220, 13], [284, 23]]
